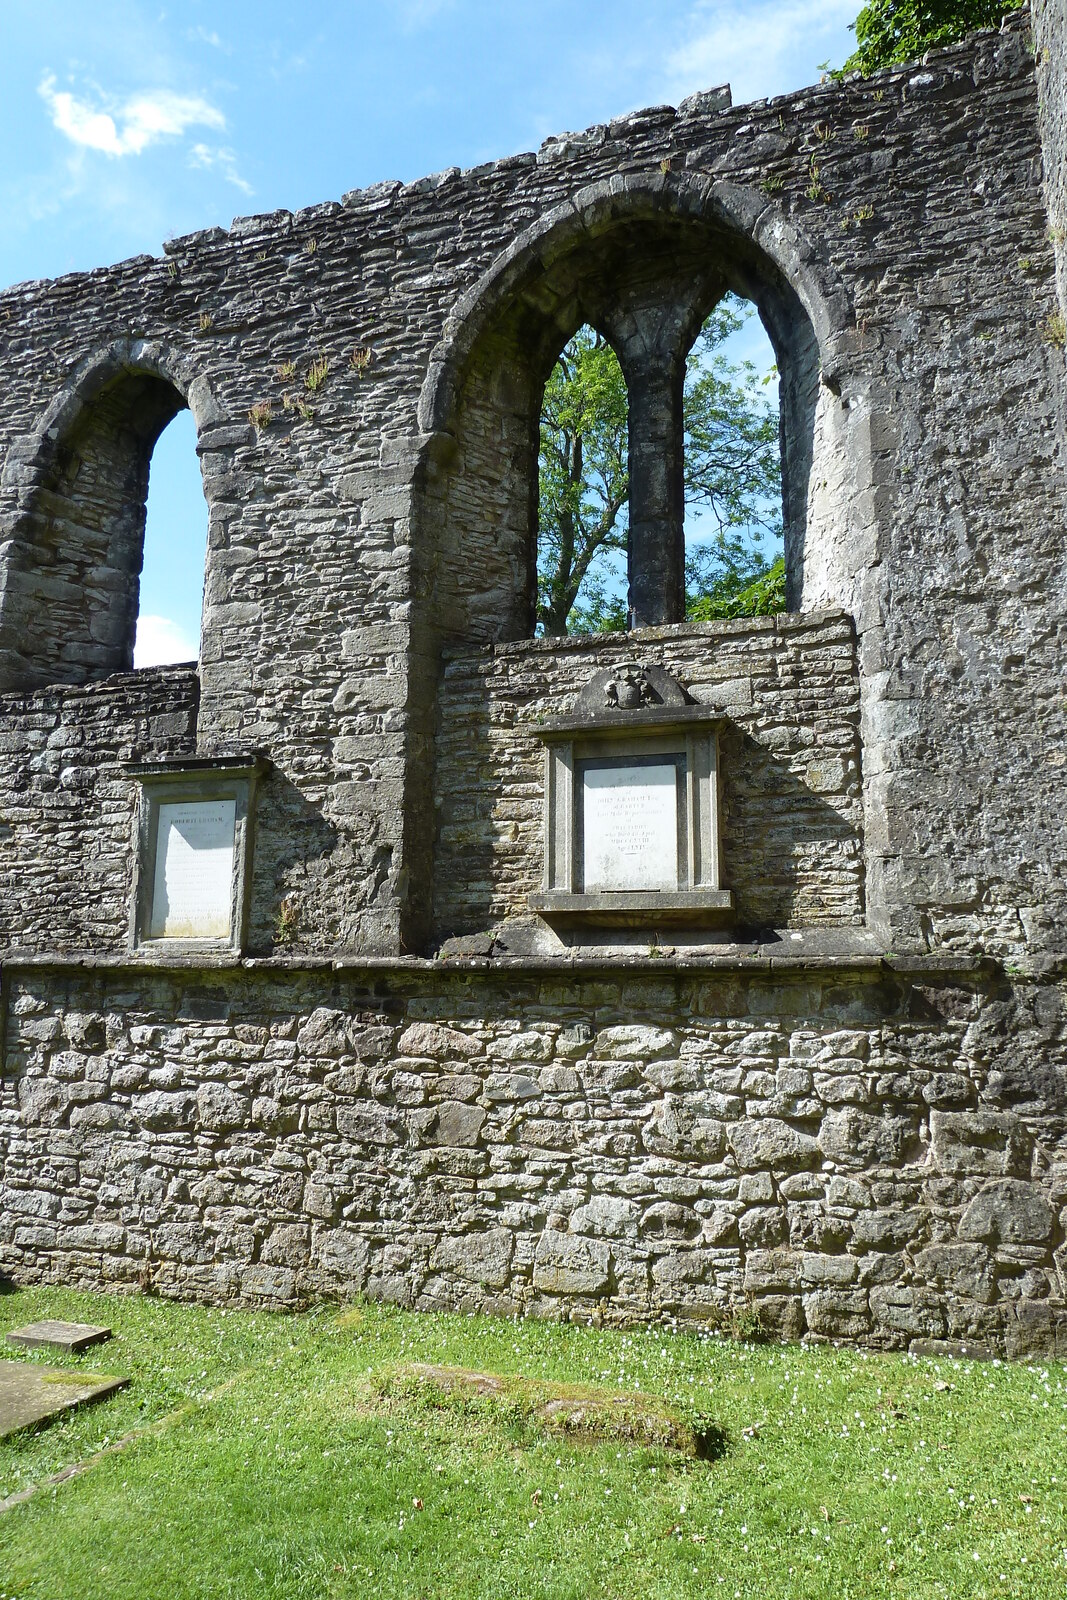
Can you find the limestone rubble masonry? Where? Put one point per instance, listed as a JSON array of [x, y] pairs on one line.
[[869, 1144]]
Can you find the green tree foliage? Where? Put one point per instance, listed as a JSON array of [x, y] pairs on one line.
[[583, 484], [733, 477], [732, 481], [891, 31]]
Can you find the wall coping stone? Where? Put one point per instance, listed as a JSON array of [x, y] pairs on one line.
[[638, 638]]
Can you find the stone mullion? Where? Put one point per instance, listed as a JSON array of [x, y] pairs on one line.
[[656, 547]]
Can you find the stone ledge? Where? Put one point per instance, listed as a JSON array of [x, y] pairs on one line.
[[758, 960]]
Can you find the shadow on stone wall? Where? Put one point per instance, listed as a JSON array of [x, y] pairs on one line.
[[789, 855], [294, 840]]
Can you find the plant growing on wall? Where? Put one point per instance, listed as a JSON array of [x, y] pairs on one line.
[[732, 484], [891, 31]]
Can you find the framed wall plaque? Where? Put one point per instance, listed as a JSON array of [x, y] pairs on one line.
[[632, 806], [192, 867]]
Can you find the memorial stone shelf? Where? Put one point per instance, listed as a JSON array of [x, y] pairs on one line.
[[632, 806]]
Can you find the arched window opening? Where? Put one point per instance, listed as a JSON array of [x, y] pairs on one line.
[[734, 547], [734, 560], [644, 271], [583, 489], [71, 573], [171, 593]]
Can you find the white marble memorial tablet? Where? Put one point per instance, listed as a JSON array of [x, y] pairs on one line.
[[192, 889], [630, 827]]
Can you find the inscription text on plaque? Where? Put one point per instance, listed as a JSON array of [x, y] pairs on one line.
[[629, 826], [192, 890]]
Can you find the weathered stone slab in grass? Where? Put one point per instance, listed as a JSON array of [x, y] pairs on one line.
[[580, 1410], [68, 1337], [30, 1394]]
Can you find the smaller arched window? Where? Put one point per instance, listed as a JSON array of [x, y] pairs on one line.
[[171, 587], [73, 580]]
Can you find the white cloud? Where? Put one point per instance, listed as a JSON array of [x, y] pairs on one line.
[[413, 15], [764, 48], [129, 128], [206, 36], [160, 641], [204, 156]]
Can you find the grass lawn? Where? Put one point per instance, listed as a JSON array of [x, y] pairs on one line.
[[299, 1464]]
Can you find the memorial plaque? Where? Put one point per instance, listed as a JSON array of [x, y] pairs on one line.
[[192, 889], [629, 826]]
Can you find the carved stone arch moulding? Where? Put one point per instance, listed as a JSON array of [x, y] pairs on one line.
[[732, 207]]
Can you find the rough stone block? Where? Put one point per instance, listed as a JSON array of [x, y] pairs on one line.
[[478, 1257], [220, 1109], [963, 1142], [163, 1112], [629, 1042], [965, 1269], [566, 1264], [853, 1138], [837, 1313], [772, 1144], [524, 1047], [459, 1123], [606, 1217], [907, 1311], [1010, 1212], [673, 1130], [438, 1042]]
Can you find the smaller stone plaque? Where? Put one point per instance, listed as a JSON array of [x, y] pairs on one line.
[[629, 826], [192, 890], [70, 1337]]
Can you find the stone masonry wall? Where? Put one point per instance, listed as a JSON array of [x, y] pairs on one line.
[[855, 1147], [910, 209], [792, 814], [853, 1152], [1050, 36], [67, 806]]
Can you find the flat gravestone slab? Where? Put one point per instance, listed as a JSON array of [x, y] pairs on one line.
[[32, 1394], [69, 1337]]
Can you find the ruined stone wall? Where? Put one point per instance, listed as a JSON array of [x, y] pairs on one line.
[[67, 804], [898, 212], [792, 816], [861, 1148], [851, 1151], [1050, 37]]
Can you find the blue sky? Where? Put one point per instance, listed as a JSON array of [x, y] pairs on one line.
[[124, 122]]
